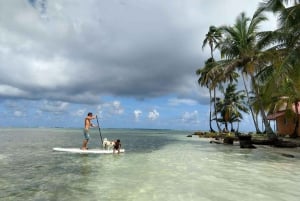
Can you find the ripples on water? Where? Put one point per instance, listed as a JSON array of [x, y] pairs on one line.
[[157, 165]]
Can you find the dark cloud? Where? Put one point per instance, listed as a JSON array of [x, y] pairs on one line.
[[76, 52]]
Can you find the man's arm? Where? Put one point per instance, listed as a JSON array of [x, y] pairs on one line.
[[92, 125]]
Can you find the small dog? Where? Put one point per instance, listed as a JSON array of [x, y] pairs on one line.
[[108, 144]]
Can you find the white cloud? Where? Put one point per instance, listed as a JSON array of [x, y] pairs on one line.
[[6, 90], [54, 106], [137, 114], [19, 114], [176, 101], [99, 114], [110, 108], [153, 115], [117, 108], [79, 112], [190, 117]]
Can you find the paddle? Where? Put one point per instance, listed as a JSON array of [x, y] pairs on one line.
[[99, 130]]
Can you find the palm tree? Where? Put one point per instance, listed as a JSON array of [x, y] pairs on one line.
[[212, 38], [241, 52], [208, 77], [205, 79], [286, 63], [231, 106], [212, 76]]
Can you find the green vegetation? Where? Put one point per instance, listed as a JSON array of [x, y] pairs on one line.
[[268, 60], [231, 106]]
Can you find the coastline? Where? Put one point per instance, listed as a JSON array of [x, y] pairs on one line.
[[289, 147]]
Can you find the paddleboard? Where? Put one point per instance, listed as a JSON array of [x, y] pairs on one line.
[[89, 151]]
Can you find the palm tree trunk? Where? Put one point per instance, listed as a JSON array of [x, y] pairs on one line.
[[212, 56], [269, 131], [231, 127], [215, 111], [226, 126], [210, 106], [212, 52], [250, 106], [295, 133]]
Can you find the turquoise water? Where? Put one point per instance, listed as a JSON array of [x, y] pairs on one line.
[[157, 165]]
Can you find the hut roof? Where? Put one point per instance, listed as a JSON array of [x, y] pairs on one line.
[[282, 112]]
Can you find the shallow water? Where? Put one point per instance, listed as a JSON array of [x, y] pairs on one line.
[[157, 165]]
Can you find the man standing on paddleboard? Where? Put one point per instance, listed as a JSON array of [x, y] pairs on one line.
[[87, 125]]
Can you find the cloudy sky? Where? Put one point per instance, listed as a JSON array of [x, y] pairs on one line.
[[131, 62]]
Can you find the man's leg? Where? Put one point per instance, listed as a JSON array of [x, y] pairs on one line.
[[84, 144]]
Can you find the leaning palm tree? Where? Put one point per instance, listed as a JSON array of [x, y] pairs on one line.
[[240, 50], [212, 38], [207, 78]]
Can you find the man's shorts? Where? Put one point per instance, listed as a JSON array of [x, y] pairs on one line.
[[86, 134]]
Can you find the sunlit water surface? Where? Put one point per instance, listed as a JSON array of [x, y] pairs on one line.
[[158, 165]]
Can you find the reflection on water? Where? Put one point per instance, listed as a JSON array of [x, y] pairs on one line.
[[157, 165], [85, 166]]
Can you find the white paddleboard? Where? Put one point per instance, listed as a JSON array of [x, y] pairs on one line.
[[89, 151]]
